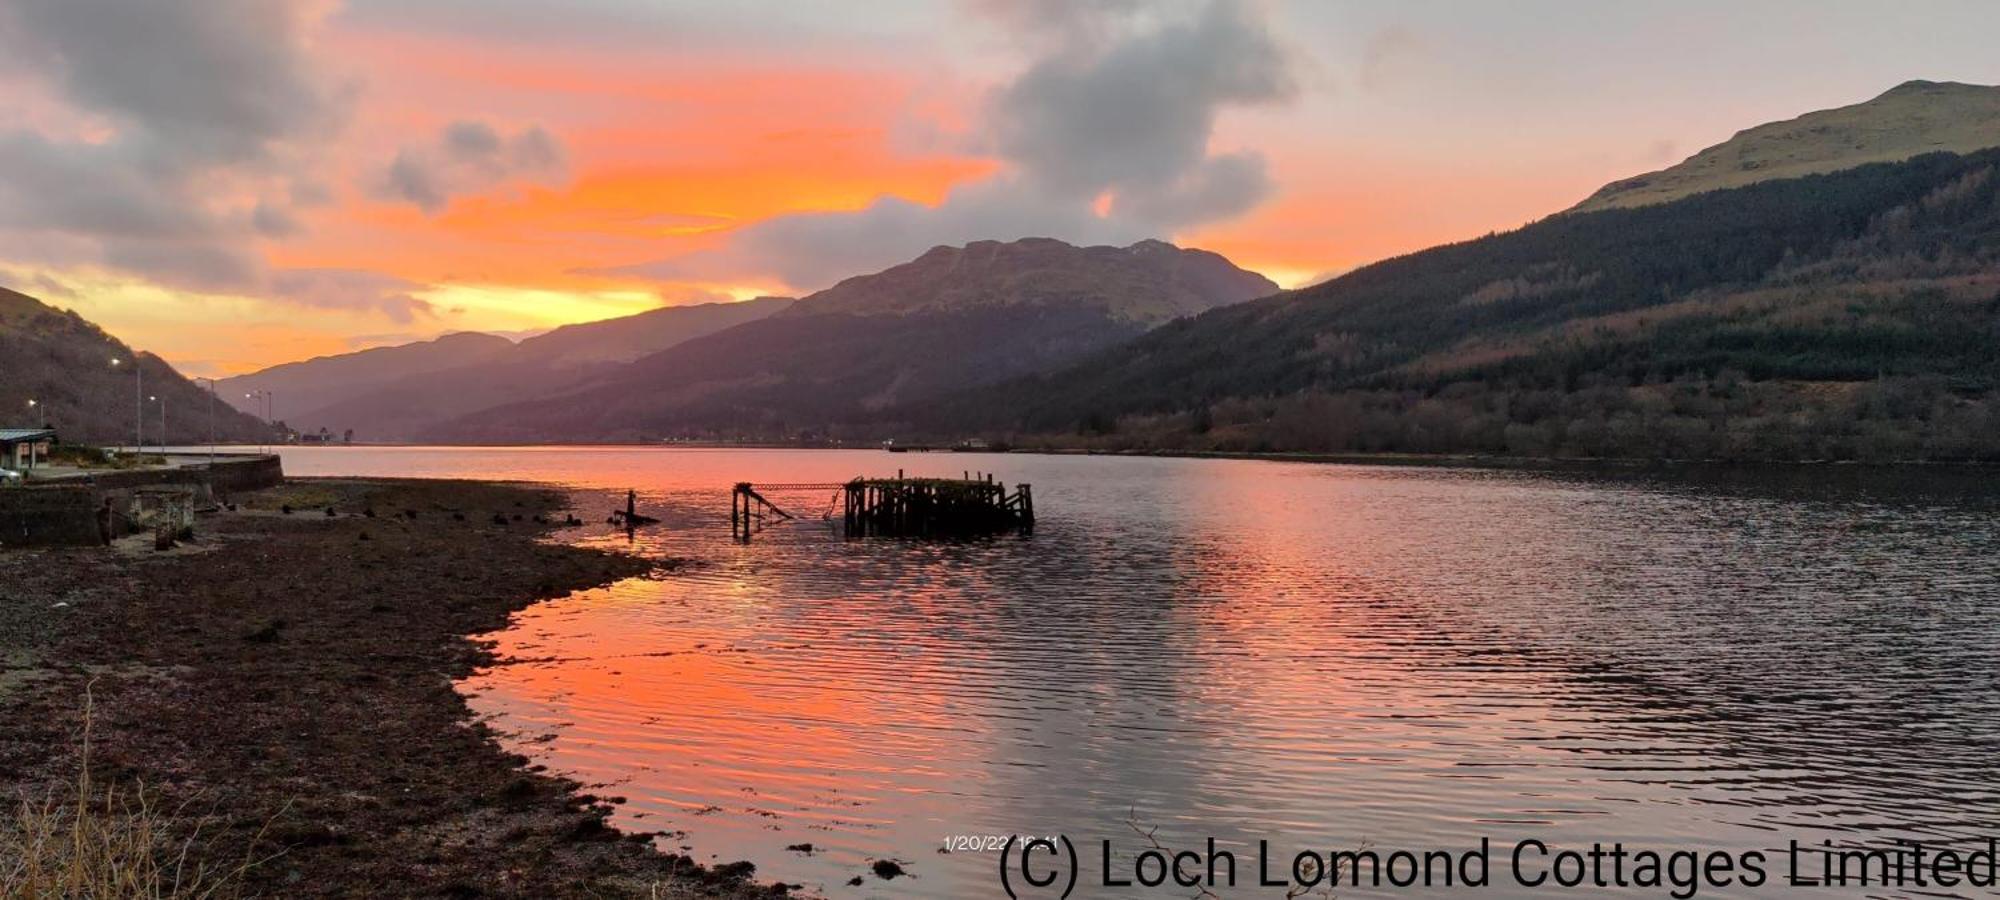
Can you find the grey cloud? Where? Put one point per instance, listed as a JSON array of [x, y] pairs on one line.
[[274, 220], [205, 100], [216, 81], [101, 205], [1124, 110], [468, 157], [352, 289], [812, 250], [470, 140], [1137, 116], [410, 178], [1218, 187], [1067, 21]]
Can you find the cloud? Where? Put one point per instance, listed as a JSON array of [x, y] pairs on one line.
[[208, 107], [1104, 136], [466, 158], [1391, 56], [350, 289], [1135, 118]]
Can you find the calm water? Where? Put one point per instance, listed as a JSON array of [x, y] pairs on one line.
[[1321, 656]]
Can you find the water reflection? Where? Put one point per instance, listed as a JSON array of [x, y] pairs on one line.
[[1316, 655]]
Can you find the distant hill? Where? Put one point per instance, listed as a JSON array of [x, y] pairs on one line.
[[63, 363], [627, 338], [954, 318], [395, 393], [1849, 315], [301, 389], [1912, 119], [1147, 284]]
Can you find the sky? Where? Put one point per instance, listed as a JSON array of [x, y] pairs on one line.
[[238, 183]]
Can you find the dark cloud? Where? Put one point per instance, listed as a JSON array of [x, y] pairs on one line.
[[209, 105], [468, 157], [1116, 106], [470, 140], [1135, 117], [350, 289], [215, 81]]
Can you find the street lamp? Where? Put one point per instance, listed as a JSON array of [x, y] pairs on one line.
[[211, 420], [163, 426], [266, 397], [138, 405]]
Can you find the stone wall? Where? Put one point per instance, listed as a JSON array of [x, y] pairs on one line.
[[65, 514], [229, 474], [49, 516]]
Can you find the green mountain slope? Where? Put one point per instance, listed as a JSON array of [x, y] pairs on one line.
[[1909, 120], [1845, 315]]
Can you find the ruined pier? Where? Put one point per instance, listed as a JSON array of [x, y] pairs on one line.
[[971, 506]]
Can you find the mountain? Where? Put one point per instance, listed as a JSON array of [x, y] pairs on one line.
[[954, 318], [1912, 119], [1847, 315], [394, 393], [300, 389], [625, 339], [63, 363], [1148, 283]]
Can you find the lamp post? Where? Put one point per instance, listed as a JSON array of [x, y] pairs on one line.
[[211, 420], [32, 403], [163, 426], [266, 397], [138, 405]]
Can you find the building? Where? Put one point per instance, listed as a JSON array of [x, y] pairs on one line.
[[22, 448]]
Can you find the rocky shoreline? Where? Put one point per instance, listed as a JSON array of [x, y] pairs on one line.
[[284, 686]]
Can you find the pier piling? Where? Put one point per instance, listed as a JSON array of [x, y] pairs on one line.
[[974, 505]]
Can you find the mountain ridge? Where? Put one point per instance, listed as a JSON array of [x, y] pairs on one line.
[[1908, 120], [1148, 282], [462, 372], [950, 319]]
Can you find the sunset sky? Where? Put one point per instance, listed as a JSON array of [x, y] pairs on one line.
[[236, 183]]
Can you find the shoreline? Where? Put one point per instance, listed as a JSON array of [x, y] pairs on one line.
[[1437, 460], [286, 684]]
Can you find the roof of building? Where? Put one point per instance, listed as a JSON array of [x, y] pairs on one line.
[[18, 435]]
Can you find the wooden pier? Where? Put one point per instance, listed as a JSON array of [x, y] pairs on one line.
[[899, 507]]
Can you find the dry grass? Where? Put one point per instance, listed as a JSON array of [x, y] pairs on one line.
[[83, 841]]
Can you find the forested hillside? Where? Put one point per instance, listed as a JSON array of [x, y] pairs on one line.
[[1847, 315], [62, 363]]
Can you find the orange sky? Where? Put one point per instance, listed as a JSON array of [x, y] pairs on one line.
[[516, 165]]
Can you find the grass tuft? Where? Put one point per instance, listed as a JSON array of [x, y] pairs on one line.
[[83, 841]]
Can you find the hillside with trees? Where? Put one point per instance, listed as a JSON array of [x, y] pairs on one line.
[[62, 363], [1849, 315]]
